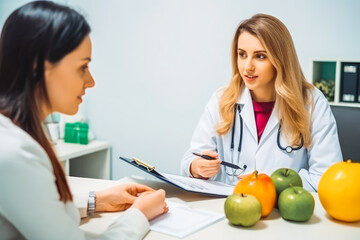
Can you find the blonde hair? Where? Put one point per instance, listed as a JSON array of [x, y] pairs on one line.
[[291, 88]]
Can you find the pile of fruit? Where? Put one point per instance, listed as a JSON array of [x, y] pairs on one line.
[[256, 195]]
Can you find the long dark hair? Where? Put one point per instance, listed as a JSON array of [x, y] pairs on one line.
[[33, 33]]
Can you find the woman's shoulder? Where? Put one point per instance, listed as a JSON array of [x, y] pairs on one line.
[[12, 138], [17, 146], [212, 105], [318, 98], [316, 93], [319, 106], [217, 94]]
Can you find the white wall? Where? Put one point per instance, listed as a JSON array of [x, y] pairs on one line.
[[157, 62]]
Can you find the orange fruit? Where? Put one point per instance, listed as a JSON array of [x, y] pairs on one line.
[[339, 191], [262, 187]]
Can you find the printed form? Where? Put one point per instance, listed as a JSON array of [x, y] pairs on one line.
[[200, 185]]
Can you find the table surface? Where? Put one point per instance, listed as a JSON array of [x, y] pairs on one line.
[[320, 226]]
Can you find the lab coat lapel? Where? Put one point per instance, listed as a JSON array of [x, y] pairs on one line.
[[247, 112]]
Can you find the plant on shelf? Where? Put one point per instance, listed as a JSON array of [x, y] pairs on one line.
[[327, 87]]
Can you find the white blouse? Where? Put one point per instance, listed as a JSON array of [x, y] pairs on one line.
[[29, 201]]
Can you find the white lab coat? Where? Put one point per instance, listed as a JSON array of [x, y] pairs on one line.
[[265, 155], [29, 201]]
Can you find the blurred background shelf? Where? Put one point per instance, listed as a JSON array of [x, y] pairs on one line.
[[337, 79], [91, 160]]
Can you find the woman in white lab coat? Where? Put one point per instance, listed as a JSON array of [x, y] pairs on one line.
[[45, 50], [268, 117]]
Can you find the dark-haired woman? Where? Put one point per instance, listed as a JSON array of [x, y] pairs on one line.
[[45, 51]]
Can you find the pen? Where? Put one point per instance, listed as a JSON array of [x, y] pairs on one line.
[[207, 157]]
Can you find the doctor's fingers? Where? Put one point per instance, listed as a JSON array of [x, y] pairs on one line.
[[211, 153], [208, 173], [209, 166], [210, 169], [210, 163]]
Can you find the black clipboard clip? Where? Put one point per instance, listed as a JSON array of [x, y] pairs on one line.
[[144, 164]]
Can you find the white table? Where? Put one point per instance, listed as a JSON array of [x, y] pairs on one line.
[[91, 160], [320, 226]]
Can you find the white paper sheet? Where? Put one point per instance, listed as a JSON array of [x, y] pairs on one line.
[[182, 221], [200, 185]]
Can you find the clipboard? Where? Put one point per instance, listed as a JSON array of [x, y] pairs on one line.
[[195, 185]]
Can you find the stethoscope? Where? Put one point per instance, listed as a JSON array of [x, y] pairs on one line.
[[287, 149]]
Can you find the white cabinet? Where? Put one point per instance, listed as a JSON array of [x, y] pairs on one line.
[[91, 160], [327, 76]]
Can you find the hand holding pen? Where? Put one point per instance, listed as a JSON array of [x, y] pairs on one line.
[[222, 162], [203, 168]]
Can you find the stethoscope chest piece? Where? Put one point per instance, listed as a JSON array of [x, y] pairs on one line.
[[288, 149]]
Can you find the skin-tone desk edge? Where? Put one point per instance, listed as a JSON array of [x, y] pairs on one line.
[[320, 226]]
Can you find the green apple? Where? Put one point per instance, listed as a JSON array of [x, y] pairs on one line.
[[283, 177], [296, 204], [242, 209]]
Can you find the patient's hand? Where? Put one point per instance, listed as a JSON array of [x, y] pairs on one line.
[[120, 197], [151, 204]]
